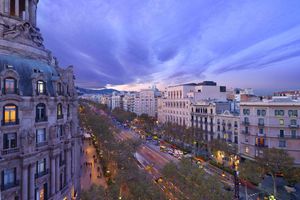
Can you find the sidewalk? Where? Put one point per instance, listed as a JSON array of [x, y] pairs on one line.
[[91, 170]]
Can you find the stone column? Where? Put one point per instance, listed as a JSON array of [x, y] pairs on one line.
[[6, 6], [1, 6], [31, 181], [17, 10], [27, 10], [24, 182], [57, 174], [53, 177], [68, 163], [32, 12]]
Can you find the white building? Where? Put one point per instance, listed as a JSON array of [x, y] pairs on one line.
[[145, 102], [176, 106], [116, 101], [128, 102]]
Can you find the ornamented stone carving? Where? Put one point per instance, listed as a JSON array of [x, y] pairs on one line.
[[52, 132], [27, 138], [25, 32]]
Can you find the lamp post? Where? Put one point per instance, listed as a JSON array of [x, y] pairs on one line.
[[236, 183]]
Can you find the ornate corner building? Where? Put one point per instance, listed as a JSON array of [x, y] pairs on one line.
[[40, 140]]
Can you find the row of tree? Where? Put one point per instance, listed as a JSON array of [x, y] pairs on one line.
[[195, 183], [126, 181]]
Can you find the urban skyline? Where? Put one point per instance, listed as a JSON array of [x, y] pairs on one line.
[[153, 42]]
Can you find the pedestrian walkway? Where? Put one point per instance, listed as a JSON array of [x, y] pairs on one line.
[[91, 169]]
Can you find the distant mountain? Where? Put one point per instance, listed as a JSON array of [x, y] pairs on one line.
[[82, 91]]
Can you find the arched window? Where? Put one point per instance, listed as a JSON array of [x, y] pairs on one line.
[[59, 111], [10, 86], [10, 114], [41, 114], [40, 87]]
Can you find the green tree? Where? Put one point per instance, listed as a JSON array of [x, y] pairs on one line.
[[249, 171], [275, 161], [94, 193]]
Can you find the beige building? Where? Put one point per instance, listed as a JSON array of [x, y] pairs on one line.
[[40, 141], [270, 124]]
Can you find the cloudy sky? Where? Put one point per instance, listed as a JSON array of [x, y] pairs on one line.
[[137, 43]]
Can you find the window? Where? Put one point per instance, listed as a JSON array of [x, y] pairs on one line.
[[279, 112], [59, 89], [12, 8], [41, 112], [281, 121], [41, 87], [246, 111], [9, 141], [260, 142], [10, 86], [9, 178], [59, 111], [293, 122], [40, 135], [59, 131], [282, 143], [41, 166], [293, 113], [261, 121], [293, 133], [10, 114], [68, 111], [246, 149], [261, 131], [281, 133]]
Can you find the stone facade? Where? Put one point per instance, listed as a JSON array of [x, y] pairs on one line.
[[40, 141]]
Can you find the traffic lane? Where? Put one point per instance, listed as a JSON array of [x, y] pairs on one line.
[[153, 158], [164, 154]]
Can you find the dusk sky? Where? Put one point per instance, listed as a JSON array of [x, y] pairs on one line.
[[129, 44]]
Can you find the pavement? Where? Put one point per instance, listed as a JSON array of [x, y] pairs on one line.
[[90, 174]]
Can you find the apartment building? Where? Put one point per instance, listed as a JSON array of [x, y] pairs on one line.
[[117, 101], [270, 124], [177, 104], [146, 102], [227, 127], [203, 118], [40, 141], [128, 102]]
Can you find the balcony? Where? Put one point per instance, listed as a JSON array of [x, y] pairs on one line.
[[60, 116], [41, 174], [16, 91], [41, 144], [294, 126], [261, 145], [261, 124], [295, 137], [44, 119], [10, 151], [10, 123], [245, 132], [246, 123], [10, 185]]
